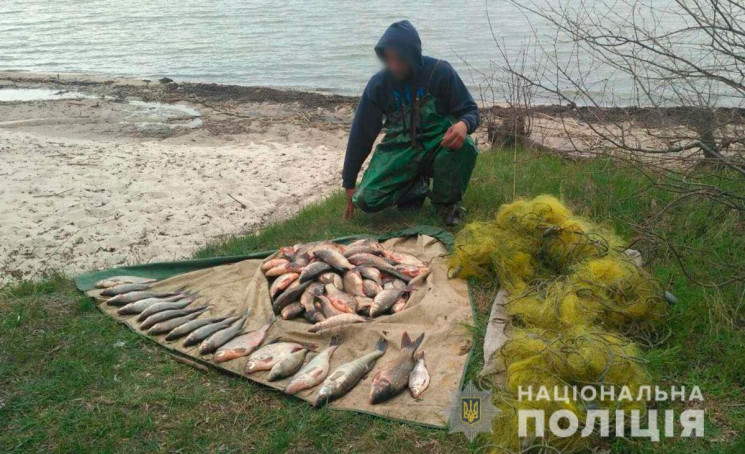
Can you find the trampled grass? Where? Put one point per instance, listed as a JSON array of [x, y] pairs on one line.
[[72, 379]]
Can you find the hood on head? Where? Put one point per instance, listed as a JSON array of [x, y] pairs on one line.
[[402, 38]]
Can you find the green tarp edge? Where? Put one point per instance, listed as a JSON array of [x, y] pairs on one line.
[[162, 270]]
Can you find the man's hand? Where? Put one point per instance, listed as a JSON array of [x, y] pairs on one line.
[[349, 210], [455, 136]]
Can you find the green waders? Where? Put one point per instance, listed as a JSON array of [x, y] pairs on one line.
[[401, 166]]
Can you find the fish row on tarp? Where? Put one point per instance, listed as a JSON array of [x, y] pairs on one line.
[[176, 315]]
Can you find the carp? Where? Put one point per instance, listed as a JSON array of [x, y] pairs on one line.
[[393, 376], [346, 376], [314, 372]]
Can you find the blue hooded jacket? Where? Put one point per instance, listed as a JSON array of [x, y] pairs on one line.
[[433, 76]]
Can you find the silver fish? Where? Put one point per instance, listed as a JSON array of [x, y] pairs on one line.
[[346, 376], [288, 365], [267, 356], [188, 327], [353, 284], [384, 300], [168, 325], [314, 270], [139, 306], [371, 288], [331, 278], [314, 372], [379, 263], [419, 377], [125, 288], [131, 297], [337, 320], [242, 345], [203, 332], [368, 272], [167, 315], [163, 306], [222, 337], [113, 281], [292, 310], [393, 376], [334, 258], [281, 283], [290, 295]]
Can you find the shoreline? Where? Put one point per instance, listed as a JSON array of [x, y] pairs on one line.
[[104, 171]]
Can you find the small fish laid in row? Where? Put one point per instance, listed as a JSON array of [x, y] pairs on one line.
[[322, 280], [114, 281]]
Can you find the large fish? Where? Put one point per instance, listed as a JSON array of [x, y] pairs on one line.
[[125, 288], [222, 337], [292, 310], [168, 325], [312, 248], [281, 283], [419, 377], [314, 270], [139, 306], [267, 356], [341, 300], [393, 376], [284, 269], [243, 345], [188, 327], [271, 263], [290, 295], [369, 272], [402, 258], [288, 365], [307, 300], [367, 247], [328, 309], [379, 263], [113, 281], [346, 376], [167, 315], [334, 258], [371, 288], [353, 284], [314, 372], [331, 278], [131, 297], [385, 299], [337, 320], [203, 332]]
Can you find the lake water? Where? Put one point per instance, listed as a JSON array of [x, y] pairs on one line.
[[304, 44], [307, 44]]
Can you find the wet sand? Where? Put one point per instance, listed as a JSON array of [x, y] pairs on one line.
[[102, 172]]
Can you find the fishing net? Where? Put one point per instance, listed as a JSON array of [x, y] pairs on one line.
[[575, 302]]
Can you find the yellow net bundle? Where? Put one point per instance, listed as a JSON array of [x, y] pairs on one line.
[[574, 296]]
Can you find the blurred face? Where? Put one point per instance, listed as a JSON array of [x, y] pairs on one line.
[[396, 65]]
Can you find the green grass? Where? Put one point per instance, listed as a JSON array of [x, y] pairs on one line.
[[72, 379]]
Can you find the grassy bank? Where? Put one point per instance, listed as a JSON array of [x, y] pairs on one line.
[[74, 380]]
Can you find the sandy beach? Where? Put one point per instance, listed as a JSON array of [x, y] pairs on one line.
[[99, 172]]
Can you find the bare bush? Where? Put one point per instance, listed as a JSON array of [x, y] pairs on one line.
[[658, 84]]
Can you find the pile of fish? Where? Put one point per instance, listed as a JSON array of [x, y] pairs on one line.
[[332, 284], [175, 315]]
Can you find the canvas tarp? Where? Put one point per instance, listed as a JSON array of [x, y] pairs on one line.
[[439, 307]]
